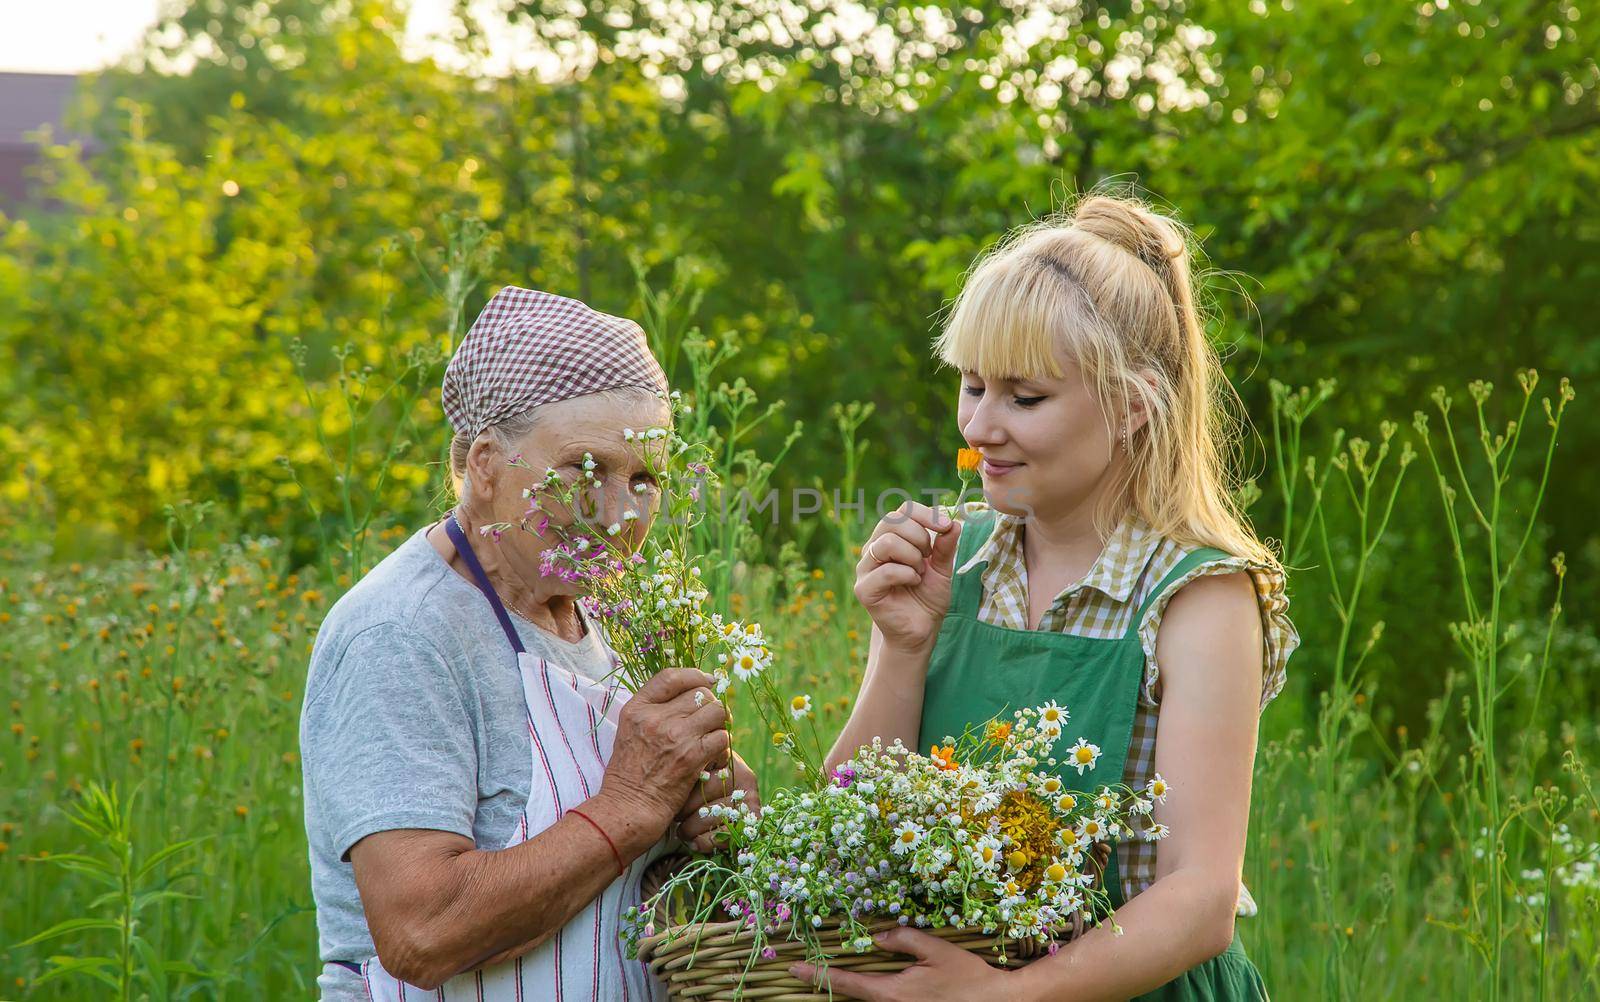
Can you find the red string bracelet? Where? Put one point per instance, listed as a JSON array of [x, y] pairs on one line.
[[614, 853]]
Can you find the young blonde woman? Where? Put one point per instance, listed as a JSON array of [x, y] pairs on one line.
[[1110, 571]]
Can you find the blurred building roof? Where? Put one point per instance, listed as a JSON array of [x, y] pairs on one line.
[[27, 101]]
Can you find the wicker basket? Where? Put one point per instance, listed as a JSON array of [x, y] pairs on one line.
[[711, 962]]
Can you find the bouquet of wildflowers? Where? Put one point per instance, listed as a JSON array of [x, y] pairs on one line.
[[980, 833], [649, 595]]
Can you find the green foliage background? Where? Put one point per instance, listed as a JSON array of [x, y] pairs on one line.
[[1394, 196]]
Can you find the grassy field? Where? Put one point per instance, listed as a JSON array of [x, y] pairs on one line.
[[244, 289], [1450, 857]]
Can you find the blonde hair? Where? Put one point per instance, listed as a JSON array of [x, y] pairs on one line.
[[1110, 281]]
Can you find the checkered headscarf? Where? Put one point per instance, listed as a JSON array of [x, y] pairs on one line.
[[529, 347]]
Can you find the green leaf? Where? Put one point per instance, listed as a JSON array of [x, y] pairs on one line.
[[162, 856], [145, 899], [71, 926], [89, 866], [154, 972], [90, 966]]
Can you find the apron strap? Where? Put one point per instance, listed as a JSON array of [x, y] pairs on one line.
[[459, 538], [1187, 563], [966, 592]]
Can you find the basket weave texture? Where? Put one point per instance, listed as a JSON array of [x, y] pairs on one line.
[[710, 962]]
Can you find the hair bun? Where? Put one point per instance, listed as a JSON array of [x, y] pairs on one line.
[[1148, 235]]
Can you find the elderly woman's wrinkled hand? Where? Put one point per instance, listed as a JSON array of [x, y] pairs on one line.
[[671, 731], [735, 785]]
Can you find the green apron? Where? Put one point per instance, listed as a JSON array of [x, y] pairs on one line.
[[979, 670]]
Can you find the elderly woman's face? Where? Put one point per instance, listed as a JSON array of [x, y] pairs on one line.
[[568, 430]]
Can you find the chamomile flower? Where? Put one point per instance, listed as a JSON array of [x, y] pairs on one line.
[[1051, 719], [1095, 830], [906, 837], [745, 665], [987, 853], [799, 706], [1083, 755], [1157, 788], [1155, 833]]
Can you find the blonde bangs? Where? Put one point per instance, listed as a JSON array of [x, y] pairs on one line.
[[1008, 321]]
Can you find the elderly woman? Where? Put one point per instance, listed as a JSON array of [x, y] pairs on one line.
[[480, 799]]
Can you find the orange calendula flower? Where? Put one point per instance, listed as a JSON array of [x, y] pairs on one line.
[[944, 758], [998, 732], [967, 460]]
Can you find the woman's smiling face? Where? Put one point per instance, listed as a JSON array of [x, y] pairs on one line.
[[1047, 444]]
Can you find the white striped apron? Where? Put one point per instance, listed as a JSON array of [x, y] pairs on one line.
[[572, 723]]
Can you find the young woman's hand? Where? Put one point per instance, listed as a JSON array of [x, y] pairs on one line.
[[943, 972], [903, 577]]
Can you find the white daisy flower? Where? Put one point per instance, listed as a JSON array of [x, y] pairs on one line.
[[744, 665], [1052, 718], [1156, 833], [906, 837], [987, 853], [1083, 755], [1095, 830], [1157, 788], [799, 706]]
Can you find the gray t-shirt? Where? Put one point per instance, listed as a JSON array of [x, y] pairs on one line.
[[413, 718]]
